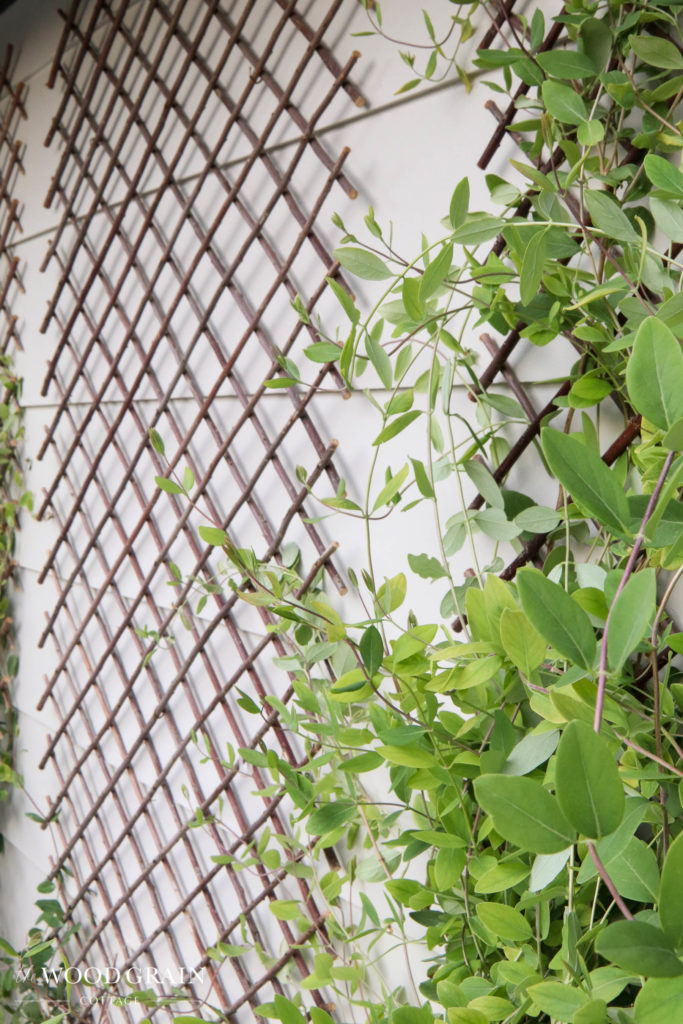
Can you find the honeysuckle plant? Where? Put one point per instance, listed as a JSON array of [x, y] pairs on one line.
[[501, 780]]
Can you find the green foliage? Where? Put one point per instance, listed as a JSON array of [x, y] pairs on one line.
[[505, 772]]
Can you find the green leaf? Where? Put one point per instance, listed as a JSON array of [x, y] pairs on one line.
[[157, 442], [284, 910], [566, 64], [533, 264], [345, 300], [635, 872], [608, 216], [583, 474], [504, 922], [391, 488], [323, 352], [465, 1015], [668, 218], [593, 1012], [459, 203], [477, 228], [484, 482], [363, 264], [524, 813], [524, 646], [396, 426], [659, 1000], [671, 893], [557, 618], [590, 133], [559, 1001], [640, 948], [422, 480], [563, 103], [531, 751], [537, 519], [426, 566], [379, 359], [371, 649], [654, 375], [329, 817], [412, 302], [169, 486], [630, 617], [213, 536], [286, 1011], [663, 174], [587, 782], [435, 273], [659, 53], [391, 594], [408, 757]]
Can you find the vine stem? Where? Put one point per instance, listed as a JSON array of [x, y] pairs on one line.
[[602, 871], [628, 571]]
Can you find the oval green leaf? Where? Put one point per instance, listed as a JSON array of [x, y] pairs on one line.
[[524, 813], [587, 782], [640, 948], [557, 618], [671, 893], [589, 481]]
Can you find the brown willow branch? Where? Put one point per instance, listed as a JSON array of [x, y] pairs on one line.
[[640, 537]]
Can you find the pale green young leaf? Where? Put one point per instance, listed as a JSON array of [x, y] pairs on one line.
[[345, 300], [557, 618], [213, 536], [391, 488], [587, 782], [362, 264], [524, 646], [524, 813], [286, 1011], [505, 922], [630, 617], [660, 999], [169, 486]]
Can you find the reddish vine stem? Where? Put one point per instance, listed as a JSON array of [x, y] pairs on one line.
[[602, 871], [628, 571]]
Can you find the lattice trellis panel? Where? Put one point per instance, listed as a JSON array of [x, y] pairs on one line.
[[11, 114], [189, 184]]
